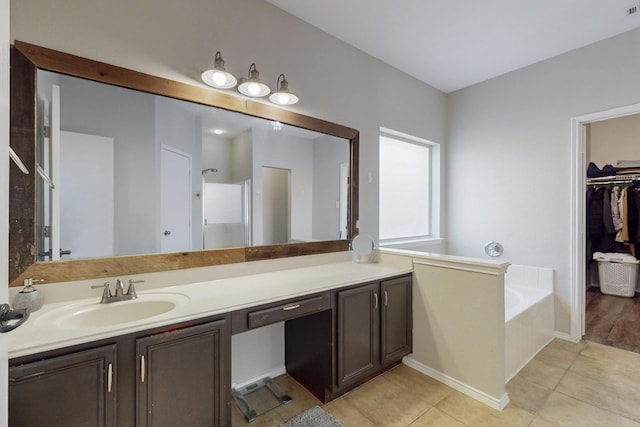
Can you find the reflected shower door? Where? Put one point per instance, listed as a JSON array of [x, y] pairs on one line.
[[226, 215]]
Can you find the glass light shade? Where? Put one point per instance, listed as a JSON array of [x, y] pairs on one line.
[[252, 86], [283, 96], [218, 77]]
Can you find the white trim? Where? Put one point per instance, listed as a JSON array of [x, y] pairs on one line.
[[472, 392], [272, 374], [399, 243], [565, 337], [436, 179], [494, 268], [578, 211], [4, 197]]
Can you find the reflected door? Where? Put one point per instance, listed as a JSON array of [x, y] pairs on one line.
[[276, 205], [86, 195], [175, 200]]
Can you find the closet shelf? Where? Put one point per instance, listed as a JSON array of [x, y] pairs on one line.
[[614, 179]]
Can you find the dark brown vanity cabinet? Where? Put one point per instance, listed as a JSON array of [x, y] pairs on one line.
[[176, 375], [358, 333], [182, 377], [374, 328], [397, 319], [77, 389]]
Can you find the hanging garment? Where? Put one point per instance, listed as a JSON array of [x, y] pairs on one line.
[[595, 210], [635, 192], [615, 209], [632, 214], [623, 235], [598, 236], [607, 215], [608, 239]]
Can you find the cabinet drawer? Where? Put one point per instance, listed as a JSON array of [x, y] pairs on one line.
[[267, 314], [287, 311]]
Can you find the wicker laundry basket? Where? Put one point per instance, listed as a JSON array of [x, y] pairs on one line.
[[618, 277]]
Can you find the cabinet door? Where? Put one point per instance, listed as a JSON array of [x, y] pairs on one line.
[[182, 377], [358, 333], [74, 390], [396, 296]]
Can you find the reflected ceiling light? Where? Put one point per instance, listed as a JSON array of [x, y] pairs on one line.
[[218, 131], [218, 77], [283, 95], [252, 86]]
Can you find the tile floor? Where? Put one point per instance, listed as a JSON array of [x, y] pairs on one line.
[[566, 384]]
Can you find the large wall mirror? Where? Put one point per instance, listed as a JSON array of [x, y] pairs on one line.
[[131, 173]]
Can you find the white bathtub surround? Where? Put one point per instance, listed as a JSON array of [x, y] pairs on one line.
[[529, 315], [458, 323]]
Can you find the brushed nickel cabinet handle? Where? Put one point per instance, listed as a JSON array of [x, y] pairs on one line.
[[375, 296], [142, 368], [386, 298], [109, 377], [291, 307]]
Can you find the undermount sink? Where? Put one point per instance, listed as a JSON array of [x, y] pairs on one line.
[[95, 315]]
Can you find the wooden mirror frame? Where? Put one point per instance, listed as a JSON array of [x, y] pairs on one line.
[[25, 60]]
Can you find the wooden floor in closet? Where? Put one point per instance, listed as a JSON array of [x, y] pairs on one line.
[[613, 320]]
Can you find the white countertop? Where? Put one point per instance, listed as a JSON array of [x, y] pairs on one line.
[[198, 299]]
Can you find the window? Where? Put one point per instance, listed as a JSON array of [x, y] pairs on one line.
[[409, 169]]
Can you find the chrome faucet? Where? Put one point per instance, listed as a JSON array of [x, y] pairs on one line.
[[119, 288], [120, 295]]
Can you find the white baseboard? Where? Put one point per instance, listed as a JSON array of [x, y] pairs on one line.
[[493, 402], [567, 337], [275, 373]]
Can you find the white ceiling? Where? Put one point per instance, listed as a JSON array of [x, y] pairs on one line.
[[451, 44]]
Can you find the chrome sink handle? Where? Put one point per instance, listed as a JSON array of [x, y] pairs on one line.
[[106, 294], [132, 290]]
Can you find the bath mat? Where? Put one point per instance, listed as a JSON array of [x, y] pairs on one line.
[[313, 417]]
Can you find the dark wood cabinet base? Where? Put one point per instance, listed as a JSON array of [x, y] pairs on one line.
[[181, 374]]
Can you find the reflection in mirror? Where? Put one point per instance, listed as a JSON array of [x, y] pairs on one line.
[[130, 185], [138, 173]]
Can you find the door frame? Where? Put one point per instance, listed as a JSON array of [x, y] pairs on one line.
[[577, 276], [4, 198]]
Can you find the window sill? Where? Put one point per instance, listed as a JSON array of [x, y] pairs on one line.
[[410, 243]]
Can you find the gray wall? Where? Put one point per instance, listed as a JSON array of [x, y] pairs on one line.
[[509, 155]]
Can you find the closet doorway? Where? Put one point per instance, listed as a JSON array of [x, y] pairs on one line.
[[601, 138], [612, 313]]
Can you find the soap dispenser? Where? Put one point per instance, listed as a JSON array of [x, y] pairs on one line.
[[29, 297]]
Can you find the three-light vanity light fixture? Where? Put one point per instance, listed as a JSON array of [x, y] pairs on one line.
[[251, 86]]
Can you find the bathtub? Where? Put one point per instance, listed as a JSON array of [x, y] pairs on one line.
[[528, 315]]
